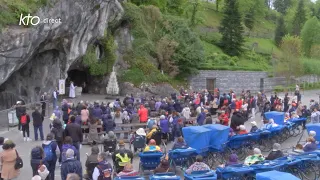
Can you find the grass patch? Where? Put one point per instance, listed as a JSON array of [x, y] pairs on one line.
[[265, 46]]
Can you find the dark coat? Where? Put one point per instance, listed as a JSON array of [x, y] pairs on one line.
[[20, 110], [237, 119], [64, 108], [37, 118], [274, 155], [201, 117], [36, 160], [74, 131], [71, 166], [97, 112]]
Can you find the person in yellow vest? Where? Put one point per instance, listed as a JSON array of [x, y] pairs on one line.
[[121, 157], [152, 147]]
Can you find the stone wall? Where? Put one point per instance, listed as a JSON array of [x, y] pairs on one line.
[[236, 80]]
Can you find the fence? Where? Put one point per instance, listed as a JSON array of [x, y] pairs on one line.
[[8, 117]]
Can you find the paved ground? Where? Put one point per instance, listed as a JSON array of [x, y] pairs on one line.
[[24, 148]]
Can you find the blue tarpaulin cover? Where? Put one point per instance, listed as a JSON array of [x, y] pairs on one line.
[[197, 137], [275, 175], [316, 128], [201, 175], [278, 117], [219, 134]]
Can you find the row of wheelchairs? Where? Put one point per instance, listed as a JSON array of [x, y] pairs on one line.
[[242, 145], [305, 167]]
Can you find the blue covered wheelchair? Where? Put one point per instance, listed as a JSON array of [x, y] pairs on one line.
[[129, 178], [149, 161], [182, 157], [164, 176], [201, 175]]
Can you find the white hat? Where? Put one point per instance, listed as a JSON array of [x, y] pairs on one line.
[[254, 123], [256, 151], [141, 132], [312, 133], [242, 127]]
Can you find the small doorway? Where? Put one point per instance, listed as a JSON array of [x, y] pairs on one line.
[[79, 78], [211, 84], [261, 84]]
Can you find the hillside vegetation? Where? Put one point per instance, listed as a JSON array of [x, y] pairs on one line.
[[175, 38]]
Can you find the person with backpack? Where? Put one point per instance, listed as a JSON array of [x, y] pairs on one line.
[[151, 123], [37, 159], [8, 159], [104, 170], [70, 165], [37, 124], [67, 145], [58, 131], [20, 109], [25, 121], [51, 149]]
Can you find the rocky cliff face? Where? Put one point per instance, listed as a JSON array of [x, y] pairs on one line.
[[33, 59]]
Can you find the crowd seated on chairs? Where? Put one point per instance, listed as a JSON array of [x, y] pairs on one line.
[[310, 145], [180, 144], [163, 167], [138, 139], [110, 143], [121, 157], [152, 147], [242, 130], [269, 124], [233, 160], [199, 165], [255, 158], [128, 171], [254, 127], [275, 153], [154, 134]]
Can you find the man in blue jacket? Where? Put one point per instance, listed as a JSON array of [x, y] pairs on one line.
[[201, 117], [71, 165]]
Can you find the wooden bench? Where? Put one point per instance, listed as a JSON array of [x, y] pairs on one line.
[[132, 126]]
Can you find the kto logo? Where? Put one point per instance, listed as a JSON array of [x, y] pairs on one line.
[[33, 20]]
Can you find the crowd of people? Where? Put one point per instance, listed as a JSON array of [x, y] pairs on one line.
[[164, 118]]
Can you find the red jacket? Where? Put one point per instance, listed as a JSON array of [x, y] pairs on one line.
[[224, 119], [143, 114], [243, 132], [238, 104]]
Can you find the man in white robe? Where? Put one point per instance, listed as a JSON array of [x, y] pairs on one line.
[[72, 91]]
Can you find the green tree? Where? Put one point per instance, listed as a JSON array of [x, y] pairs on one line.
[[249, 19], [280, 31], [231, 29], [195, 9], [310, 35], [299, 18], [176, 6], [290, 64], [282, 5], [217, 4]]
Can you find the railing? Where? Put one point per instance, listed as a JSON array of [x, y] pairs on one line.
[[8, 117]]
